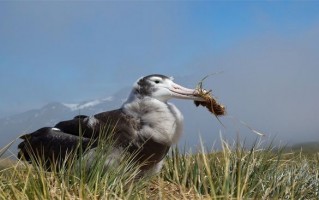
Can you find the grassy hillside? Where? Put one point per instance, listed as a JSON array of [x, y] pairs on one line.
[[233, 173]]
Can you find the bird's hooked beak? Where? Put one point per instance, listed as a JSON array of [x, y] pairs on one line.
[[180, 92]]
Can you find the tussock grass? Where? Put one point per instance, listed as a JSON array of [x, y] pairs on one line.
[[233, 173], [237, 173]]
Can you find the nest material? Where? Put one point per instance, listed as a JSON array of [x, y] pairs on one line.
[[211, 103]]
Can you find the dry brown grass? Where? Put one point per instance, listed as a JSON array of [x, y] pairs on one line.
[[161, 189]]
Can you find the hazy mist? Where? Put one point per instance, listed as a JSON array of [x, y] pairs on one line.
[[267, 53]]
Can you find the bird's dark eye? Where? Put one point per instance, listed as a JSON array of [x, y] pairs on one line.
[[157, 81]]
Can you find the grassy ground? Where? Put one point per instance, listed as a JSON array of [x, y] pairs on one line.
[[233, 173]]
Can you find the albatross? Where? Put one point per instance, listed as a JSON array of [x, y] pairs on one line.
[[146, 124]]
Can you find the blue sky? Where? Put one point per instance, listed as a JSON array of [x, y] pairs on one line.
[[72, 51]]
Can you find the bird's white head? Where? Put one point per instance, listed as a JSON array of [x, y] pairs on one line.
[[162, 88]]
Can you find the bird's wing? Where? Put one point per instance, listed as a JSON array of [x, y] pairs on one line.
[[50, 145], [77, 126], [95, 126], [54, 143], [122, 127]]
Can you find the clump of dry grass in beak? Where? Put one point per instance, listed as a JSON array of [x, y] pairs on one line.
[[211, 103]]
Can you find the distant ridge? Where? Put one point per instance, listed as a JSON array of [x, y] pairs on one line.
[[306, 147]]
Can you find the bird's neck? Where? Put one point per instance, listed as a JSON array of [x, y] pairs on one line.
[[160, 121]]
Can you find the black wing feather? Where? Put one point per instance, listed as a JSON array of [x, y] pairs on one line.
[[51, 145], [55, 143], [76, 126]]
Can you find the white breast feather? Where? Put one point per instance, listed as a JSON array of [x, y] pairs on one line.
[[161, 121]]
